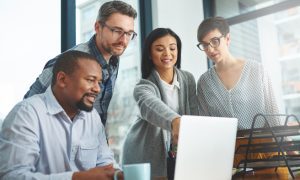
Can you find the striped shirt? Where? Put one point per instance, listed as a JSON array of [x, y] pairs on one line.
[[251, 95]]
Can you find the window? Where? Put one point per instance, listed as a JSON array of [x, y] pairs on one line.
[[230, 8], [30, 36]]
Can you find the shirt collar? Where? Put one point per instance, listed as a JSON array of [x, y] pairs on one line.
[[114, 60], [175, 79], [53, 105]]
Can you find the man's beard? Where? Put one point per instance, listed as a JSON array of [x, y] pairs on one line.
[[111, 51], [82, 106]]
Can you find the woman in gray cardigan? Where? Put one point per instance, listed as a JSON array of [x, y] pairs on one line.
[[163, 94]]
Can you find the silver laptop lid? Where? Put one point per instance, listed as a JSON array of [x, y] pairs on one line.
[[205, 148]]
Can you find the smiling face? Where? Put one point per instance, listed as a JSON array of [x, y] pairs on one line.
[[219, 53], [107, 39], [164, 53], [80, 88]]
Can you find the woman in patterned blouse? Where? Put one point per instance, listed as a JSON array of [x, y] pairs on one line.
[[232, 87]]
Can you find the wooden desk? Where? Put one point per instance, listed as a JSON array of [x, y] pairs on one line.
[[282, 174], [263, 174]]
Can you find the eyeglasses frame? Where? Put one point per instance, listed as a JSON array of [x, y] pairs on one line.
[[112, 29], [209, 44]]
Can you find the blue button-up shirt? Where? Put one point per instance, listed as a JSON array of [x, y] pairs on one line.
[[39, 141]]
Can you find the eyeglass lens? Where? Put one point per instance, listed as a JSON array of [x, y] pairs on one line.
[[214, 43]]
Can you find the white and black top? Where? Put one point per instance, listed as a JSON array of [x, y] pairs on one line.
[[252, 94]]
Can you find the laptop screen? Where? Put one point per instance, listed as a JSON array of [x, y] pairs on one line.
[[205, 148]]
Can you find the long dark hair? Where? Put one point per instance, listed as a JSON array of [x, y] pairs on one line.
[[146, 64]]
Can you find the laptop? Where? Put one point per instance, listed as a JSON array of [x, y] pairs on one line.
[[206, 148]]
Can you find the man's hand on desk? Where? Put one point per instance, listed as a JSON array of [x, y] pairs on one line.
[[103, 173]]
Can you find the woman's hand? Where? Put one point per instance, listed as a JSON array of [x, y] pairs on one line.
[[175, 130]]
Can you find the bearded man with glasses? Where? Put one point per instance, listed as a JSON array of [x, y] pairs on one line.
[[233, 87], [114, 29]]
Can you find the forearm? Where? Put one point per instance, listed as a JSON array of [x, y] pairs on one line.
[[152, 108], [18, 161], [157, 115], [21, 174]]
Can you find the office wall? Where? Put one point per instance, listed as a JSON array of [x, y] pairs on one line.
[[183, 18]]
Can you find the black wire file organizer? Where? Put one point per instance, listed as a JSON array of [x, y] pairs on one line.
[[283, 144]]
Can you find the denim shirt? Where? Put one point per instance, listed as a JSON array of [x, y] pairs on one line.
[[39, 141], [109, 75]]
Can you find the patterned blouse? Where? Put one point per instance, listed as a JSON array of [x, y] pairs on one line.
[[252, 94]]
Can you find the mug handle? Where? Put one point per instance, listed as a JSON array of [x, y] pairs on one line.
[[116, 174]]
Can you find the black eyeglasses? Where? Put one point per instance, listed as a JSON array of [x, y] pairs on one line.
[[214, 43], [118, 33]]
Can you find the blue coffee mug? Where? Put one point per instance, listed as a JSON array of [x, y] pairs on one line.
[[140, 171]]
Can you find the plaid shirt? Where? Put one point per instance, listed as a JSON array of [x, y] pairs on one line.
[[109, 76]]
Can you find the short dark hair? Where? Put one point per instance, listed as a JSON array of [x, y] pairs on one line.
[[146, 64], [211, 24], [108, 8], [67, 62]]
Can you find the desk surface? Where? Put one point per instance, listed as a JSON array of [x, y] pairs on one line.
[[282, 174], [264, 174]]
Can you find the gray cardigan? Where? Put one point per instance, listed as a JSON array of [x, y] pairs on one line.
[[147, 137]]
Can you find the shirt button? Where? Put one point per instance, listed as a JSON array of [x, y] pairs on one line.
[[73, 149]]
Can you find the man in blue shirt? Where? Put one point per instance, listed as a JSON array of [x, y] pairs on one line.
[[58, 134], [114, 29]]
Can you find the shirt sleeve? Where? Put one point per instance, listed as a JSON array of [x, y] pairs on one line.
[[193, 103], [105, 154], [19, 146], [203, 107], [270, 100], [152, 108], [41, 83]]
